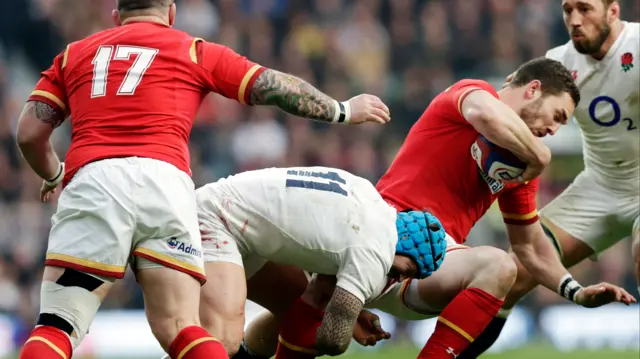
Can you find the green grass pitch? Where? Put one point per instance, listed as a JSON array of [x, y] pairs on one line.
[[529, 352]]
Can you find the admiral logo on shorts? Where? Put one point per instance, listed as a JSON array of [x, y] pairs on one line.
[[175, 244]]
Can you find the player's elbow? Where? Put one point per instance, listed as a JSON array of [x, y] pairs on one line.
[[31, 131], [332, 342], [336, 347], [25, 137]]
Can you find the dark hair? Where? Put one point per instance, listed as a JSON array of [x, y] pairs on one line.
[[555, 78], [133, 5]]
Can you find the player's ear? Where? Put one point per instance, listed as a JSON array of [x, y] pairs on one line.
[[613, 12], [172, 14], [115, 16], [534, 90]]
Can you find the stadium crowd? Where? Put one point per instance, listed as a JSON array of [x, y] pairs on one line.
[[404, 51]]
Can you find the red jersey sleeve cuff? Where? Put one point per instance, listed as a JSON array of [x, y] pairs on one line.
[[244, 91], [520, 219], [48, 98]]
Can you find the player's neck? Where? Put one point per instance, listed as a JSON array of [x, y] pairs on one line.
[[616, 30], [145, 18]]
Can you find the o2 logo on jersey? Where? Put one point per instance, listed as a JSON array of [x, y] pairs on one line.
[[617, 115]]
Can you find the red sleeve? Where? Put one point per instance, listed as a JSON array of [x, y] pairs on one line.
[[50, 88], [518, 205], [455, 95], [230, 74]]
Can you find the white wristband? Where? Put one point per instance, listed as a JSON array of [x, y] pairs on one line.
[[58, 178], [569, 287], [342, 113], [336, 114]]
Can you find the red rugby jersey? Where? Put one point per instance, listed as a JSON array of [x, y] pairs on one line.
[[134, 90], [434, 170]]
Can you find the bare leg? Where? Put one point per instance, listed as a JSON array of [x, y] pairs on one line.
[[222, 302], [172, 299]]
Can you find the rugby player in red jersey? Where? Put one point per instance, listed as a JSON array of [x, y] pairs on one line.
[[435, 170], [132, 93]]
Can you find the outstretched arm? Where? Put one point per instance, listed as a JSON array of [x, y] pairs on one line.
[[334, 335], [37, 122], [293, 95], [234, 76]]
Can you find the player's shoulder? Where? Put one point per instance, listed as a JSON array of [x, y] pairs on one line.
[[139, 33], [470, 83], [560, 53], [633, 30], [630, 38]]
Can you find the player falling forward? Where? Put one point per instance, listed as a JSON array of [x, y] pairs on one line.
[[601, 206], [435, 169], [318, 219], [132, 93]]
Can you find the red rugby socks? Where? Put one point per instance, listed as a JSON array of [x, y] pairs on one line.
[[195, 343], [460, 323], [297, 338], [47, 342]]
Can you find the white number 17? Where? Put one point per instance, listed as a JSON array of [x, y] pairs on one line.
[[133, 77]]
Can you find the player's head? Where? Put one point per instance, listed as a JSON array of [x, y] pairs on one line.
[[421, 245], [163, 10], [544, 94], [589, 23]]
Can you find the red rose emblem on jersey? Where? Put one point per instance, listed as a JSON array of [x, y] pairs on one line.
[[627, 61]]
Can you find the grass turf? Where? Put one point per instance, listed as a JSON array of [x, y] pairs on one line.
[[529, 352]]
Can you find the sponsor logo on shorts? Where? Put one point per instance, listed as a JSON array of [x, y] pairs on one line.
[[177, 245]]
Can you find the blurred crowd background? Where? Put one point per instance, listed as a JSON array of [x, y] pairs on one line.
[[404, 51]]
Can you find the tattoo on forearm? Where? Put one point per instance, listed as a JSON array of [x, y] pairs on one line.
[[45, 113], [292, 95], [334, 335]]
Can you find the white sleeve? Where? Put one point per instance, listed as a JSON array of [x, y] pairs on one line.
[[361, 272]]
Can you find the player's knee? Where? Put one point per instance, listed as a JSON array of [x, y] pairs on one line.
[[496, 269], [70, 304]]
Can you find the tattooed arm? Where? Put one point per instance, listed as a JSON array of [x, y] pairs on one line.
[[292, 95], [334, 335], [35, 126]]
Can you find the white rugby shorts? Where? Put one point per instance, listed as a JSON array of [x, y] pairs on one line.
[[220, 224], [593, 213], [115, 210], [402, 300]]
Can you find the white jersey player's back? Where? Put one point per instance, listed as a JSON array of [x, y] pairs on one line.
[[323, 220], [609, 109]]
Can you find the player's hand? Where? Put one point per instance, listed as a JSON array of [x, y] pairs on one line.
[[48, 188], [534, 168], [508, 80], [368, 331], [47, 191], [368, 108], [601, 294]]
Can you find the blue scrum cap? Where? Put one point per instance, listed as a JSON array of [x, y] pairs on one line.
[[421, 237]]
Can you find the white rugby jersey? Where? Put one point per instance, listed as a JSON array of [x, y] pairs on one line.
[[609, 109], [320, 219]]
